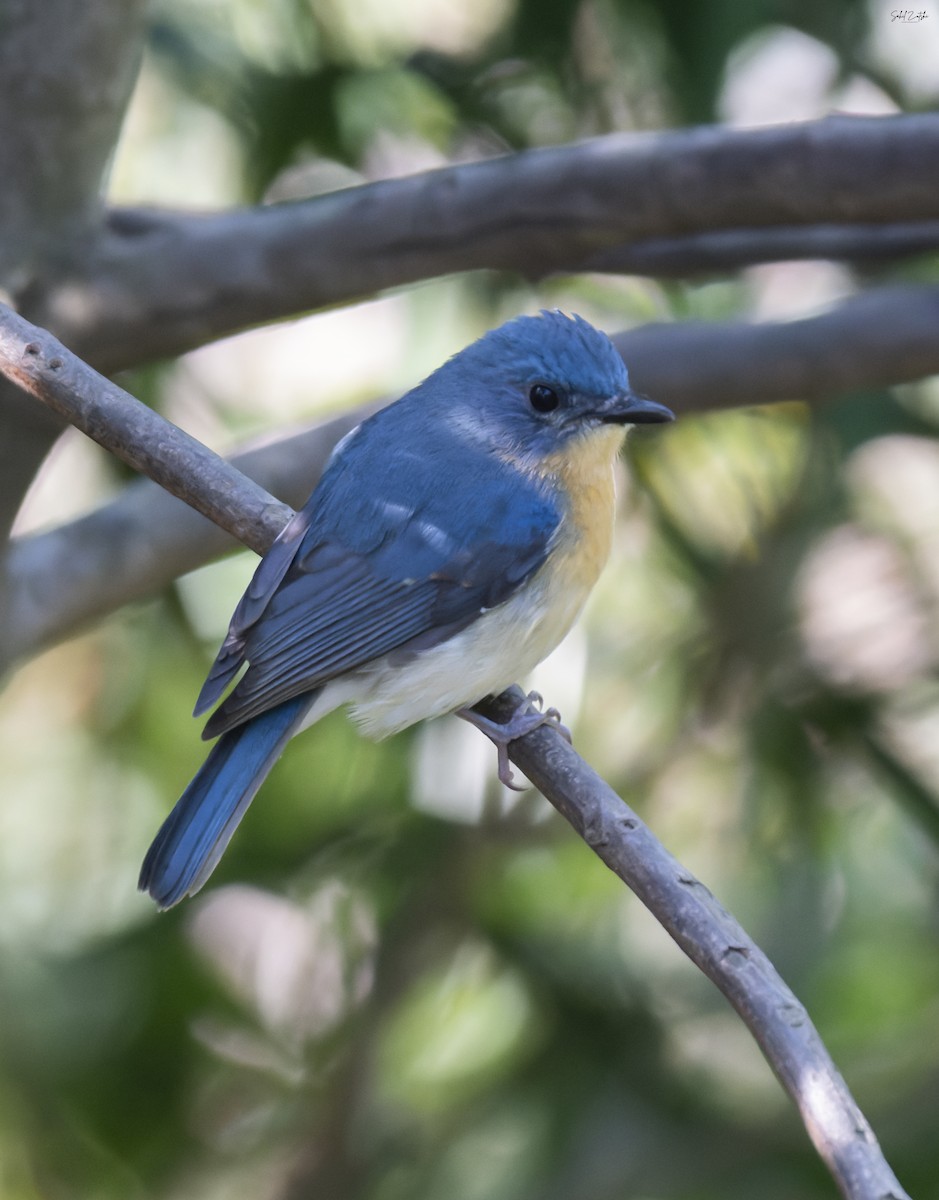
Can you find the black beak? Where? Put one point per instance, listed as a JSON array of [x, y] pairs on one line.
[[630, 409]]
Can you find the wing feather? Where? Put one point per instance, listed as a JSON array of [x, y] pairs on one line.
[[353, 579]]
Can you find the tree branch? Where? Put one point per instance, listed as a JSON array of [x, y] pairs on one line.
[[727, 250], [61, 580], [704, 931], [66, 72], [718, 946], [131, 548], [41, 365], [155, 284], [878, 338]]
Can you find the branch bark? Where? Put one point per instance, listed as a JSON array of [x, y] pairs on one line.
[[704, 931], [718, 946], [128, 550], [32, 358], [149, 284], [155, 284], [66, 72], [63, 579], [878, 338], [727, 250]]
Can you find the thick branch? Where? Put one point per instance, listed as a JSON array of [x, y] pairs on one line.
[[729, 249], [66, 72], [156, 284], [878, 338], [719, 947], [134, 546]]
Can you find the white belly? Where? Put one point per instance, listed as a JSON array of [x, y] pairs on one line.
[[498, 649]]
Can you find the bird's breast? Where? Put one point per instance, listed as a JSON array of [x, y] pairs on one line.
[[582, 474]]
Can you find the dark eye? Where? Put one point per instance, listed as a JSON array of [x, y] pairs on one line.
[[543, 399]]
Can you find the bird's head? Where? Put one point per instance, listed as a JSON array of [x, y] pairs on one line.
[[535, 383]]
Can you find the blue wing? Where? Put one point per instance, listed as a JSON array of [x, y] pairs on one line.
[[380, 559]]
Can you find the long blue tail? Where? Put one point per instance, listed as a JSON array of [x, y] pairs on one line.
[[193, 837]]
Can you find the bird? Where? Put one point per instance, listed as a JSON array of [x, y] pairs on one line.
[[448, 547]]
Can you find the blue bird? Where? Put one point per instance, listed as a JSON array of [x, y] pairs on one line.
[[449, 546]]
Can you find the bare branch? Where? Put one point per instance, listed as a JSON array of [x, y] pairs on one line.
[[718, 946], [155, 284], [134, 546], [38, 363], [879, 338], [729, 249], [710, 937]]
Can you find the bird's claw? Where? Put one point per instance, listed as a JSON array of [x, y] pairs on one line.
[[526, 717]]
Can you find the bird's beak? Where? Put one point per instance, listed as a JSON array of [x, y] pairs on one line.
[[627, 408]]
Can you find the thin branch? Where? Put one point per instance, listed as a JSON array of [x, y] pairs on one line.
[[42, 366], [718, 946], [707, 934], [544, 211], [134, 546]]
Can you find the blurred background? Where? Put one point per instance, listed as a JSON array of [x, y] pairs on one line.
[[404, 982]]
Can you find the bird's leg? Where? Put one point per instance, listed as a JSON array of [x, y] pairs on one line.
[[527, 716]]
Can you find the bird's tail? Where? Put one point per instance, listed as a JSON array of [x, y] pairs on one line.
[[193, 837]]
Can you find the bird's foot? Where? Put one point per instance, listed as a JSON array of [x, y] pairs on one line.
[[527, 716]]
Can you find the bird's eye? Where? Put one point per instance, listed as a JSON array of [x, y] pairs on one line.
[[543, 399]]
